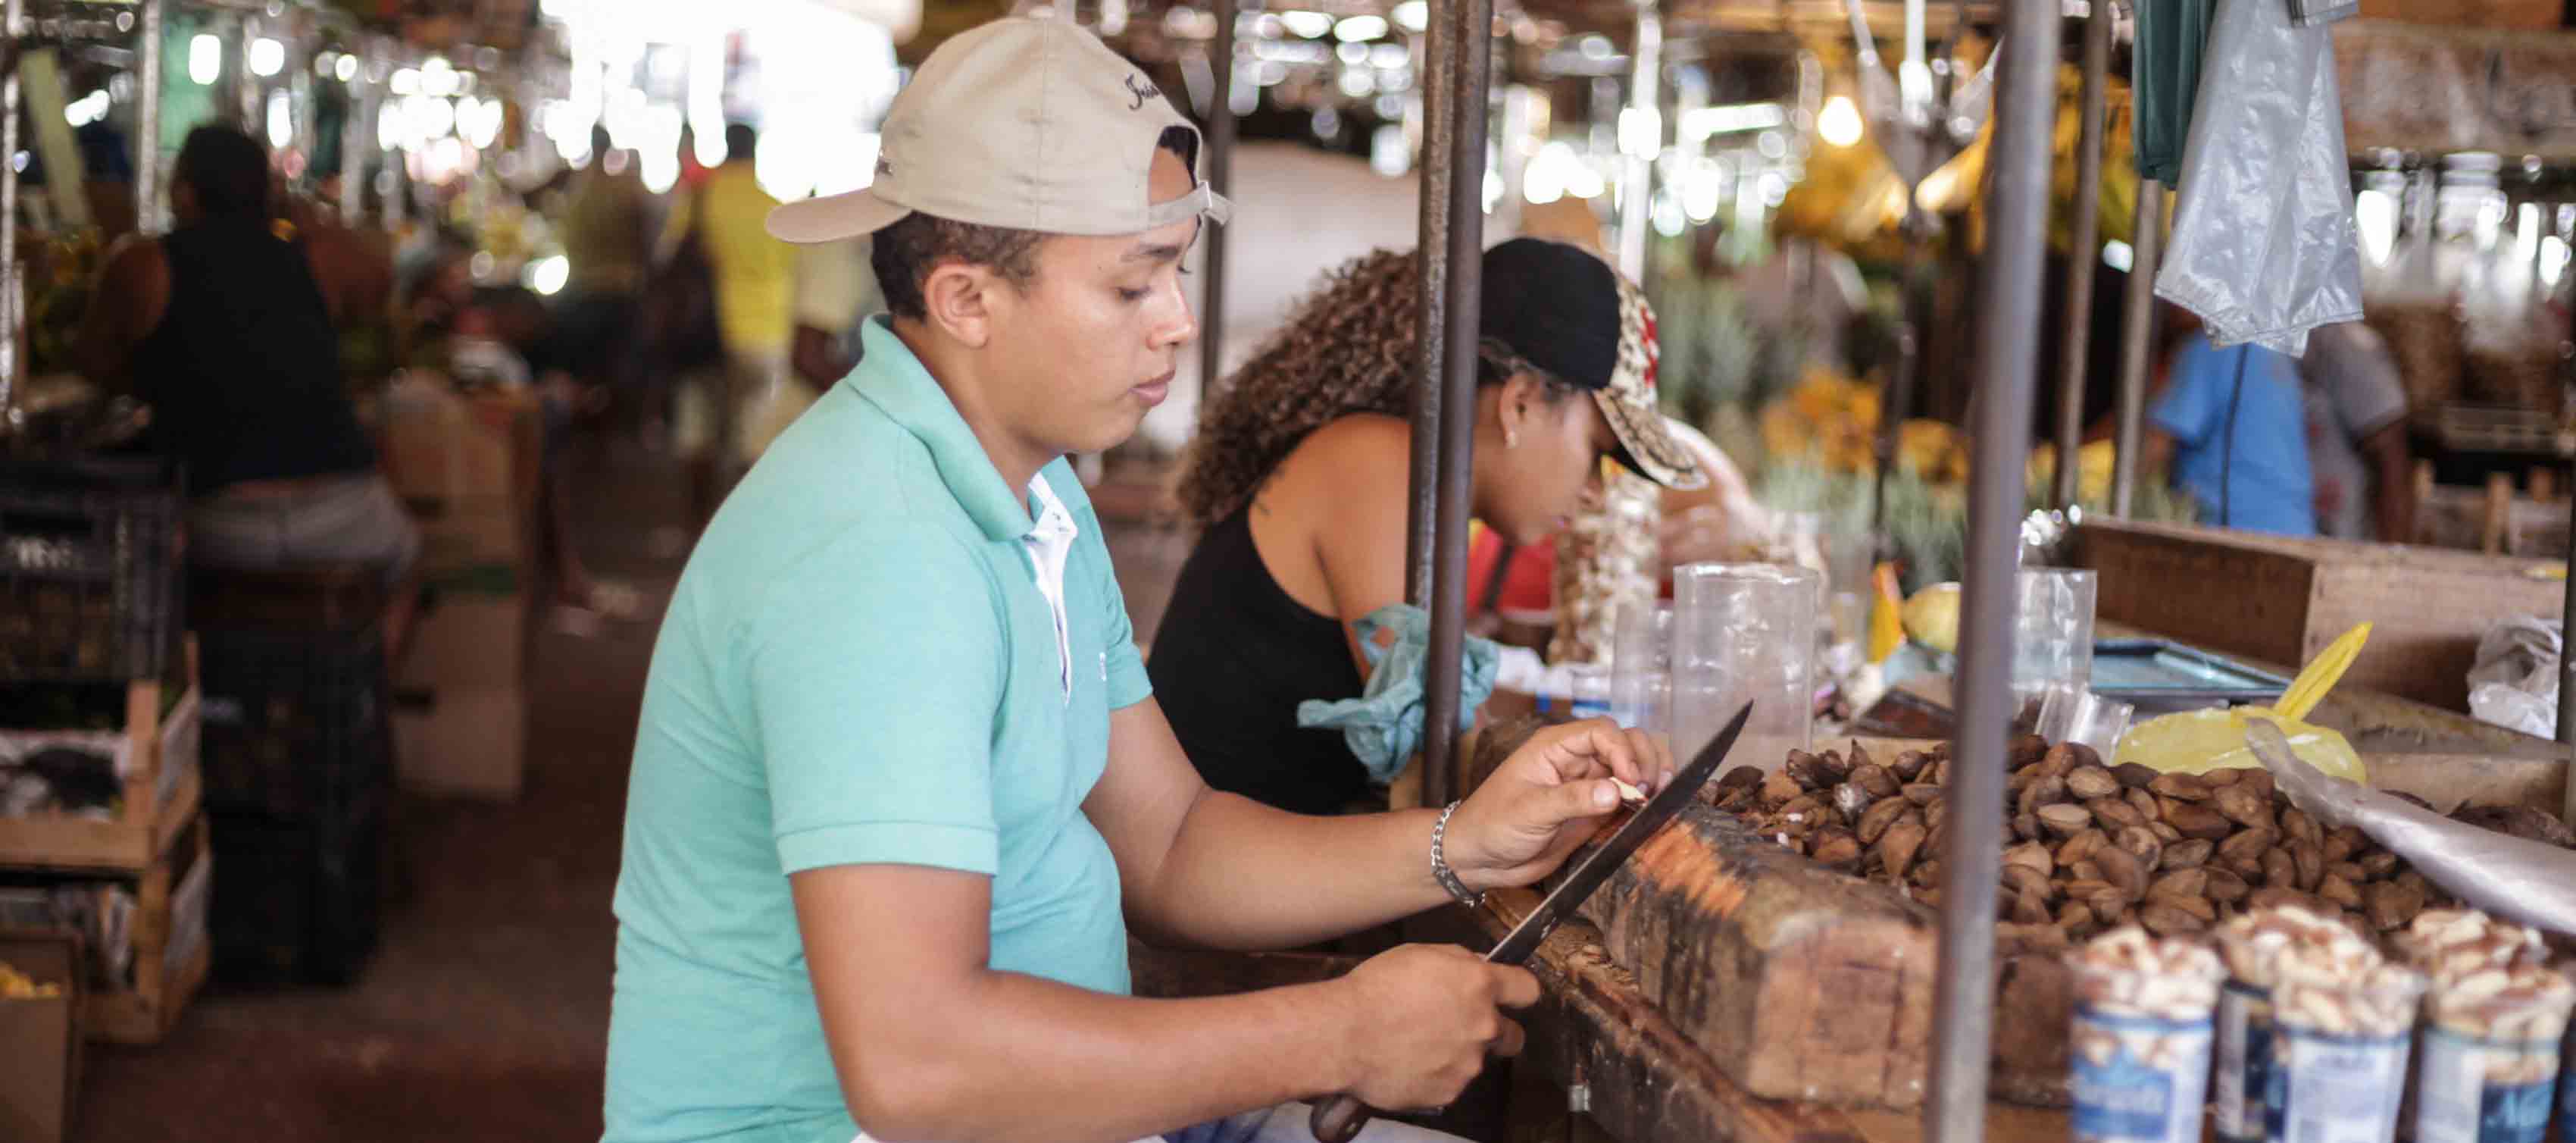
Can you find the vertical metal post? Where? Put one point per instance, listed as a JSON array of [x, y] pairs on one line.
[[12, 296], [1430, 255], [2083, 252], [2137, 341], [1220, 175], [149, 216], [357, 141], [1645, 102], [1470, 26], [2016, 242]]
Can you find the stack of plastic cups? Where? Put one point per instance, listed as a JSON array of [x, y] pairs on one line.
[[2141, 1037], [1744, 632], [1641, 669], [2340, 1054], [2052, 631]]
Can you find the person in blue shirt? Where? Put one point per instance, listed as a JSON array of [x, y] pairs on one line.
[[2230, 429], [901, 788]]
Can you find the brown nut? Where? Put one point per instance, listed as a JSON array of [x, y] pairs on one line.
[[2350, 871], [1874, 822], [2114, 812], [1926, 875], [1921, 793], [2080, 846], [2030, 908], [1806, 804], [2181, 883], [2225, 776], [2107, 904], [2090, 782], [2249, 868], [2165, 832], [2378, 865], [2224, 886], [2296, 825], [2065, 819], [2196, 906], [2024, 880], [1909, 765], [2082, 887], [2027, 749], [2258, 780], [1741, 799], [1837, 768], [1808, 771], [2240, 804], [2026, 826], [2057, 762], [2076, 918], [1932, 814], [1851, 801], [2044, 792], [2274, 897], [2394, 906], [2165, 920], [2195, 820], [2146, 803], [2032, 855], [2311, 862], [2188, 854], [1896, 847], [2344, 841], [1875, 779], [2134, 776], [2123, 870], [2180, 787], [1740, 777], [2141, 843], [1837, 850], [1779, 789], [2250, 843], [2339, 891], [2088, 869], [2279, 870]]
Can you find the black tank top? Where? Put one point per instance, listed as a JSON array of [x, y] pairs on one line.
[[243, 373], [1234, 657]]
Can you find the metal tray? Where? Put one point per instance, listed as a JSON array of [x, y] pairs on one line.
[[2169, 675]]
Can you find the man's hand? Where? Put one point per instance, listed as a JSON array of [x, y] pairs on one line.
[[1423, 1018], [1547, 798]]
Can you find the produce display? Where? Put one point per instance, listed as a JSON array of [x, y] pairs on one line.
[[2089, 847], [16, 985]]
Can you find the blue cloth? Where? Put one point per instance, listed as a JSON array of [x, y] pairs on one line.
[[2271, 488], [1384, 724], [859, 666]]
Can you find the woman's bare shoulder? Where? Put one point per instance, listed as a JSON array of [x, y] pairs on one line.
[[1349, 456]]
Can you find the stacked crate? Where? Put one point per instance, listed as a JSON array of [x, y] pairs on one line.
[[99, 776]]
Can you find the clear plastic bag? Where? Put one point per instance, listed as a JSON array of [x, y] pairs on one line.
[[2515, 682], [2263, 246]]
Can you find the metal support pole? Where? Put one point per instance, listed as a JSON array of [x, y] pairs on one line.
[[2083, 252], [2016, 242], [1430, 255], [357, 141], [1471, 30], [12, 295], [2137, 341], [148, 215], [1645, 102], [1220, 175]]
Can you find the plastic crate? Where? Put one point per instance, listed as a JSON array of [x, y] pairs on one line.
[[90, 583], [296, 900], [294, 726]]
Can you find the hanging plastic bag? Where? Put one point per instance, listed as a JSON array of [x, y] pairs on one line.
[[2263, 246], [2515, 682]]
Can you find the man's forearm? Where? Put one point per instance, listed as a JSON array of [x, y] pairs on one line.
[[1022, 1058], [1242, 875]]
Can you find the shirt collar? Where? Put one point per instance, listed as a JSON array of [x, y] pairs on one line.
[[891, 378]]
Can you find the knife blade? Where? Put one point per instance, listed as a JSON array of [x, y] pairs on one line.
[[1339, 1120]]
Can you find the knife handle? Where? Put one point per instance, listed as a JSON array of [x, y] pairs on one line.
[[1340, 1120]]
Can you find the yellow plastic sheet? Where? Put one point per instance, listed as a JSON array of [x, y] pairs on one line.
[[2198, 741]]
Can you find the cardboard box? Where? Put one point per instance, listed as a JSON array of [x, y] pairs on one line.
[[40, 1040], [463, 740], [469, 640], [2283, 600]]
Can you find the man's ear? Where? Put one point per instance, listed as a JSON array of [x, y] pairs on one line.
[[958, 299]]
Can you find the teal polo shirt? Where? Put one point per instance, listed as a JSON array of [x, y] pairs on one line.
[[859, 665]]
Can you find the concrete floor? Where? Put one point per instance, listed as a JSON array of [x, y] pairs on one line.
[[484, 1013]]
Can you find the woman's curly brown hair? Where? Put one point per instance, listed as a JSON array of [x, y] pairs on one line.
[[1349, 347]]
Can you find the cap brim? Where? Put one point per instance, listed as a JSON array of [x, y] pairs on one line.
[[1646, 447], [832, 218]]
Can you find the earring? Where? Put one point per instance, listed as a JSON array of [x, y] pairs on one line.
[[1511, 438]]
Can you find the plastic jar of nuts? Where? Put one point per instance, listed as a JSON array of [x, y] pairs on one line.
[[2493, 1017], [2252, 944], [2141, 1037], [2340, 1053]]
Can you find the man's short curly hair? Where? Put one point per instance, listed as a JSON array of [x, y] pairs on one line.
[[904, 254]]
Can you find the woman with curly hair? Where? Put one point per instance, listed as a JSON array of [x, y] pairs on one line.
[[1299, 478]]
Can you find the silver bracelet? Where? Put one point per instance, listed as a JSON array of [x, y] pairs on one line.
[[1440, 871]]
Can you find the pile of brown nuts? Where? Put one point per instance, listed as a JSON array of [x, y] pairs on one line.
[[2089, 846]]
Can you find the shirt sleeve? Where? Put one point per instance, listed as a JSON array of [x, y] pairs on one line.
[[2190, 407], [876, 672]]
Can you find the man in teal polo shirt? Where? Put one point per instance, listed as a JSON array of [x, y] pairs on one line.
[[899, 784]]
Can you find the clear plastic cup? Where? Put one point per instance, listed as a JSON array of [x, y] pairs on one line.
[[1744, 632], [2140, 1053], [1641, 658], [2341, 1050], [2052, 630]]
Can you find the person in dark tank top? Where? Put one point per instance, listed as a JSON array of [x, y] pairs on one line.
[[221, 327], [1299, 478]]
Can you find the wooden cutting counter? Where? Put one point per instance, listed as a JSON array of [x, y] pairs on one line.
[[1632, 1071]]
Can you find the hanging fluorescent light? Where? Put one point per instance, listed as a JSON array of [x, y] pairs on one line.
[[1839, 123], [1641, 132], [438, 78], [1359, 29], [547, 275], [267, 57], [281, 120], [1703, 122], [1311, 25], [205, 60], [1413, 15], [405, 81], [346, 68]]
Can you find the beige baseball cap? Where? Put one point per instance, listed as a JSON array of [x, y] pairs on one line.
[[1027, 124]]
